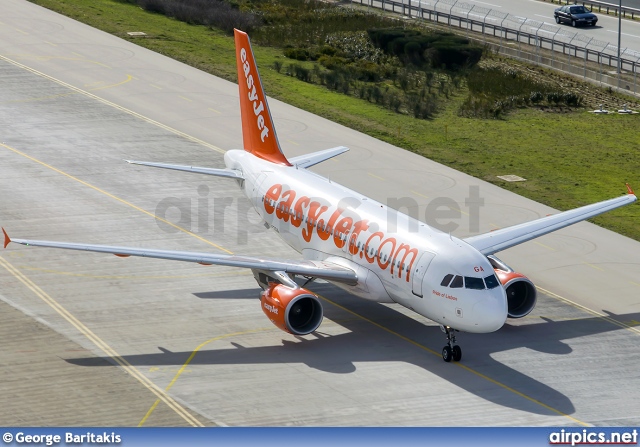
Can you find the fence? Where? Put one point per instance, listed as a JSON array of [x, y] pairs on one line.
[[510, 28]]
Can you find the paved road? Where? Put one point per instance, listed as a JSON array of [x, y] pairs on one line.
[[605, 31], [74, 102]]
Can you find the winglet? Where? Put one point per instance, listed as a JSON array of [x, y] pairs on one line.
[[258, 134], [7, 239], [629, 190]]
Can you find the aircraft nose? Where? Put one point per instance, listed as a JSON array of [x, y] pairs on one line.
[[490, 314]]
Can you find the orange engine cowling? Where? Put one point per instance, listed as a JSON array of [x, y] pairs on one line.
[[521, 293], [297, 311]]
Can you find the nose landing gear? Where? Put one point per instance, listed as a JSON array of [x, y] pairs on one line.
[[451, 351]]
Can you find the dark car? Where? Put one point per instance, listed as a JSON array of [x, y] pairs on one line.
[[575, 15]]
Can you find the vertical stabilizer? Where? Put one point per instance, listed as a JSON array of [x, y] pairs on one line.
[[258, 134]]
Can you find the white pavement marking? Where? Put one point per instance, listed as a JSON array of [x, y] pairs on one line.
[[624, 34], [488, 4]]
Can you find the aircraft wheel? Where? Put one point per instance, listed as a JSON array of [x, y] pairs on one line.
[[447, 354], [457, 353]]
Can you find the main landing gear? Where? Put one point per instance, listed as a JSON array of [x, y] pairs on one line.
[[451, 351]]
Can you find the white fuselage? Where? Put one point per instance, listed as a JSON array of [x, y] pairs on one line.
[[397, 258]]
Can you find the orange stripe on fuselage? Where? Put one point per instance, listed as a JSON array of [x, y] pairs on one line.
[[258, 133]]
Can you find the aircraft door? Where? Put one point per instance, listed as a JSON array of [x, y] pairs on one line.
[[254, 195], [258, 181], [420, 270]]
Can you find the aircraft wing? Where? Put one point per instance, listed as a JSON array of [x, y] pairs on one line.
[[315, 269], [303, 161], [498, 240]]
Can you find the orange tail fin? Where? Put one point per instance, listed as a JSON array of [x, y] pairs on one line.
[[258, 134]]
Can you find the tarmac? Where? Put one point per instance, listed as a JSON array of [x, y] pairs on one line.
[[96, 340]]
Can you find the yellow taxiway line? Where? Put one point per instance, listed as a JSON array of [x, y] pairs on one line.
[[108, 350]]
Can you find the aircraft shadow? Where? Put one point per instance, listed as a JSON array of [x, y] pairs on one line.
[[365, 342]]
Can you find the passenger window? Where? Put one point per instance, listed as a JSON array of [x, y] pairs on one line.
[[473, 283], [491, 281], [447, 279], [457, 282]]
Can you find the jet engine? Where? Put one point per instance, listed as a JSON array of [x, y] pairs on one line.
[[521, 293], [297, 311]]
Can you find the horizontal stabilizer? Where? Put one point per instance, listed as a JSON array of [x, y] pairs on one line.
[[306, 161], [208, 171]]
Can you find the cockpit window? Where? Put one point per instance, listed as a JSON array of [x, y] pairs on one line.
[[457, 282], [491, 281], [473, 283], [470, 282], [447, 279]]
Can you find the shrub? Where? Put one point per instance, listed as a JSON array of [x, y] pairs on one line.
[[536, 97], [302, 73], [332, 62], [157, 6], [368, 71], [299, 54], [328, 50], [437, 49], [554, 97], [212, 13], [573, 99]]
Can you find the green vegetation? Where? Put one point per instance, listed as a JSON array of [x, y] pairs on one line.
[[494, 91], [569, 158], [436, 50]]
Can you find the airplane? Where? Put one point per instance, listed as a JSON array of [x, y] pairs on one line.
[[346, 238]]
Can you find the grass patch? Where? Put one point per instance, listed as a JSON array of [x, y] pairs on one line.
[[569, 159]]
